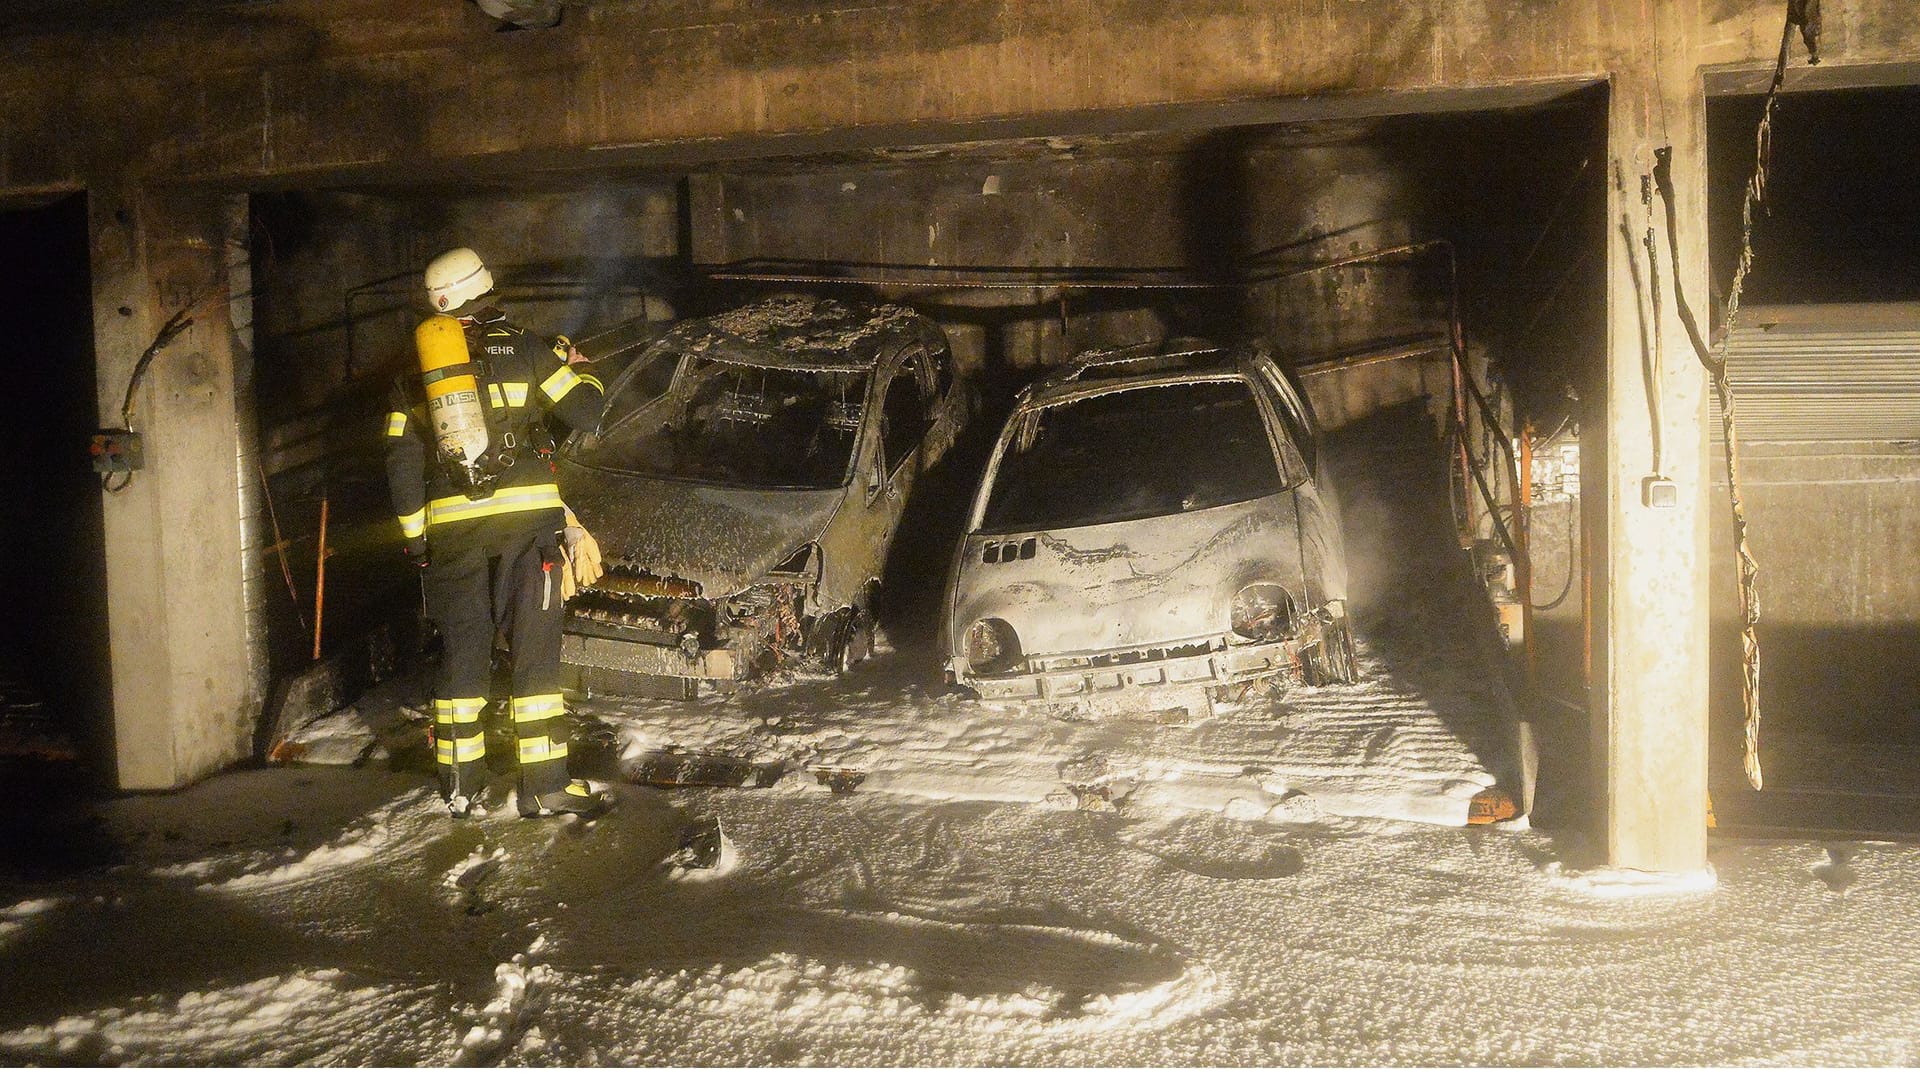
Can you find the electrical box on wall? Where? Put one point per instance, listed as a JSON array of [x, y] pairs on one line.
[[1659, 493], [1556, 470], [116, 450]]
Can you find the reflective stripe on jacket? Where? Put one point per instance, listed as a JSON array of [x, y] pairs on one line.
[[515, 362]]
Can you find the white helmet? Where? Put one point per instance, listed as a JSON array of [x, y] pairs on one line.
[[455, 278]]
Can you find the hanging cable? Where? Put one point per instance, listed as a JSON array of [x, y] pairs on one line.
[[1806, 15], [1658, 353], [172, 328]]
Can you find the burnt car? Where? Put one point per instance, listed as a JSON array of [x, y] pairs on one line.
[[1152, 529], [745, 484]]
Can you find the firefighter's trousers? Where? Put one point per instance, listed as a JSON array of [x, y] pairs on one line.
[[488, 576]]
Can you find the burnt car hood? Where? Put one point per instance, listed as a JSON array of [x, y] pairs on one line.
[[1101, 588], [723, 538]]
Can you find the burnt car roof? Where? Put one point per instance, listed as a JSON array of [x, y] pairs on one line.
[[1047, 396], [1108, 370], [802, 332], [1179, 354]]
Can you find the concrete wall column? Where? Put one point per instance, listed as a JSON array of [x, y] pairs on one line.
[[1650, 635], [174, 591]]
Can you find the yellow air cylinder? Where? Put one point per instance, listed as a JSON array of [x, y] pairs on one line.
[[453, 394]]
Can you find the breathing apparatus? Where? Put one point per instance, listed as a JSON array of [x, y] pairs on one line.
[[467, 448]]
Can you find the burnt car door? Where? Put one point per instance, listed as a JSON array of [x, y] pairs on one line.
[[906, 418], [951, 406], [1322, 550], [855, 544]]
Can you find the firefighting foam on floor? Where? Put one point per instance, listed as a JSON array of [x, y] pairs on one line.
[[925, 881], [340, 919]]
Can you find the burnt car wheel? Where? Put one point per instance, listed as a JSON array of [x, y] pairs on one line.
[[1331, 660], [842, 639]]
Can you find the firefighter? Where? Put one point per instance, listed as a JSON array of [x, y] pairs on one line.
[[467, 465]]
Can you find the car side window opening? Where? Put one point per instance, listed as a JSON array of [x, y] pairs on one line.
[[639, 385], [1293, 463], [941, 365], [904, 415], [1292, 417], [1136, 453]]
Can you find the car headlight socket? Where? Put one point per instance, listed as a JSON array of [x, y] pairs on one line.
[[1262, 611], [991, 647], [799, 563]]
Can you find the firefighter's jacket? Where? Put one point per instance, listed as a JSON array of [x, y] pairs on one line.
[[523, 379]]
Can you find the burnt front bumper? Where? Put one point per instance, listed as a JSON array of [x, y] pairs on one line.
[[633, 634], [1132, 672], [639, 624], [592, 645]]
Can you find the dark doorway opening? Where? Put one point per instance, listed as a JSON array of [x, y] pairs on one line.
[[54, 675], [1841, 224]]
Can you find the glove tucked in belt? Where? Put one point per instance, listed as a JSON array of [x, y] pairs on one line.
[[580, 557]]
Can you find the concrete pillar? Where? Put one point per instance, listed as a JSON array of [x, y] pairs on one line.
[[1650, 631], [175, 604]]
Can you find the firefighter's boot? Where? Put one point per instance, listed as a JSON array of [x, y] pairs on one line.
[[578, 797], [460, 753], [540, 727]]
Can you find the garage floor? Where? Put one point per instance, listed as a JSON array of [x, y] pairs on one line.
[[333, 916]]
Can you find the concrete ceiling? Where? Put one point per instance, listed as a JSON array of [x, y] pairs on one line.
[[1065, 138]]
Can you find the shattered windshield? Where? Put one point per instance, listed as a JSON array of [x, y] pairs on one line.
[[1132, 454], [740, 426]]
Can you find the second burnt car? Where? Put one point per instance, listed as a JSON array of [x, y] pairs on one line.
[[1152, 529], [745, 484]]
